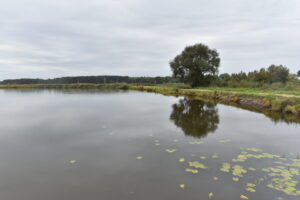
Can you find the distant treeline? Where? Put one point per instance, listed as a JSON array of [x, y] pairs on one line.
[[93, 80], [275, 75]]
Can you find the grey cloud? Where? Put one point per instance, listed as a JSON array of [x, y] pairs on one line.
[[138, 37]]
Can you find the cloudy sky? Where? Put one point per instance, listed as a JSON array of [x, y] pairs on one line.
[[52, 38]]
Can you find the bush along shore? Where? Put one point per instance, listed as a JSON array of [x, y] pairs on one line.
[[278, 106]]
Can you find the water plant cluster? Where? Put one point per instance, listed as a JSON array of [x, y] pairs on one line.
[[256, 169]]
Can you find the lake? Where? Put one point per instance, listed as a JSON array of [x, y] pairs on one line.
[[75, 145]]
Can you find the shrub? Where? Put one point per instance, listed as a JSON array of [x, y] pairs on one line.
[[290, 109]]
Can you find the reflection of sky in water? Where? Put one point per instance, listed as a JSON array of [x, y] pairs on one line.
[[41, 131]]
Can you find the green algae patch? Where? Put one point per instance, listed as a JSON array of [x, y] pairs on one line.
[[170, 150], [244, 197], [197, 165], [196, 142], [296, 163], [72, 161], [238, 170], [254, 149], [225, 167], [241, 158], [244, 156], [250, 189], [251, 185], [282, 180], [139, 157], [225, 141], [194, 171], [215, 155], [235, 179]]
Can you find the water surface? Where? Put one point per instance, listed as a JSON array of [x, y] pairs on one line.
[[75, 145]]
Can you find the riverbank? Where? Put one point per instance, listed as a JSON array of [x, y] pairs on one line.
[[276, 103], [281, 104]]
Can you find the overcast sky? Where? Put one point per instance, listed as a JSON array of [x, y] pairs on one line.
[[53, 38]]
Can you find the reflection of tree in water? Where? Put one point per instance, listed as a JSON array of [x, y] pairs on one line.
[[196, 118]]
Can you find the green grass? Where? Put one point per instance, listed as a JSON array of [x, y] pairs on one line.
[[242, 91], [282, 102]]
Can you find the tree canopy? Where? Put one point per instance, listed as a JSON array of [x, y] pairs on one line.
[[278, 73], [196, 65]]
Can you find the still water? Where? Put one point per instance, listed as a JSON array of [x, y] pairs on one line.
[[75, 145]]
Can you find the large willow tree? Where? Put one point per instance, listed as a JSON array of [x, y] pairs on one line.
[[196, 65]]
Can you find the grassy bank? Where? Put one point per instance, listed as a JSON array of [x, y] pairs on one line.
[[278, 103]]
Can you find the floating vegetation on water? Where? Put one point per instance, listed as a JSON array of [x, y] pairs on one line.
[[225, 141], [265, 170], [240, 158], [251, 185], [196, 142], [139, 157], [194, 171], [281, 173], [296, 163], [215, 155], [225, 167], [254, 149], [156, 143], [250, 189], [238, 170], [197, 164], [244, 197], [282, 180], [171, 150], [244, 156], [72, 161]]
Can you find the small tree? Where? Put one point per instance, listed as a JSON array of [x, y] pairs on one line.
[[298, 73], [196, 65], [278, 73], [262, 75]]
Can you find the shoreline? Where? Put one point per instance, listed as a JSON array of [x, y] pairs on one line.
[[284, 106]]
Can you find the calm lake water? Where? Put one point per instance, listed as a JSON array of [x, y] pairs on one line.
[[75, 145]]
